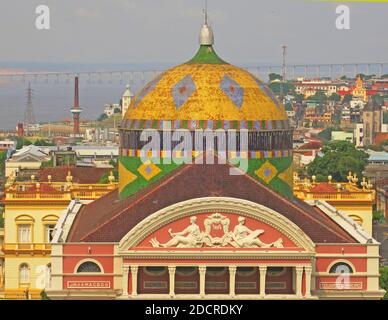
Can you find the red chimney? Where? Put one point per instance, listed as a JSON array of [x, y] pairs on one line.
[[76, 110], [20, 130]]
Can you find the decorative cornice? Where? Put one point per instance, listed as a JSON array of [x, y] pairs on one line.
[[212, 205]]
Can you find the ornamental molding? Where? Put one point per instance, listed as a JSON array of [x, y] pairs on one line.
[[282, 258], [220, 206]]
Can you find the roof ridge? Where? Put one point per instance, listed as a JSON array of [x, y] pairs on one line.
[[295, 203], [164, 180]]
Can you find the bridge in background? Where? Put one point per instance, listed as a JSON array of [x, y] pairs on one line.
[[309, 71]]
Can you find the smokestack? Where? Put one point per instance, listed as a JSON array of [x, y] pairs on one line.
[[76, 97], [76, 110]]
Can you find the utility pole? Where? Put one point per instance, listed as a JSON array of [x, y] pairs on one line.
[[284, 70], [29, 115]]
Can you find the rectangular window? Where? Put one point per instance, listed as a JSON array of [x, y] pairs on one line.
[[49, 232], [24, 233]]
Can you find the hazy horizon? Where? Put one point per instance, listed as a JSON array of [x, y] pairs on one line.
[[166, 32]]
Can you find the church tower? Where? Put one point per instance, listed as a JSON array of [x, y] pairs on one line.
[[126, 100]]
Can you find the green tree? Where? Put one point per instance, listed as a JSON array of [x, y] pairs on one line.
[[1, 217], [299, 97], [21, 142], [102, 117], [378, 216], [274, 76], [378, 99], [339, 157], [326, 134], [384, 280], [47, 164], [43, 143], [335, 97], [348, 98], [3, 157], [319, 96], [105, 178], [277, 88]]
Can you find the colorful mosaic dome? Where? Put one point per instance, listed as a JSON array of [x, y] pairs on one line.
[[206, 88], [208, 93]]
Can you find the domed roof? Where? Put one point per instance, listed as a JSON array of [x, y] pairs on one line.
[[206, 88]]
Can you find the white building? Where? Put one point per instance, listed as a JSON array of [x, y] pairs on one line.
[[29, 157], [126, 100], [111, 109], [359, 135]]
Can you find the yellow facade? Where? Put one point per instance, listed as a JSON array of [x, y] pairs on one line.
[[31, 213], [356, 202], [207, 101], [359, 91]]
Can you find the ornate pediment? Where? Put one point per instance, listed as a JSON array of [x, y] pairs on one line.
[[216, 224], [216, 233]]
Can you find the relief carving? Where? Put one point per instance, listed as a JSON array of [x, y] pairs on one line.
[[216, 234]]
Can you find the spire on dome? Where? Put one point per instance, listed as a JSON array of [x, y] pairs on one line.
[[206, 37]]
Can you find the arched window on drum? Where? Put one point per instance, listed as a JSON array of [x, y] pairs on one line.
[[341, 267]]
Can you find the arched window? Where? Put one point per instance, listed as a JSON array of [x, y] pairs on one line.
[[49, 223], [89, 267], [276, 271], [246, 271], [24, 228], [356, 219], [341, 267], [186, 271], [216, 271], [155, 271], [24, 273]]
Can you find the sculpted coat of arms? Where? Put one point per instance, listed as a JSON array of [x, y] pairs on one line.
[[216, 234]]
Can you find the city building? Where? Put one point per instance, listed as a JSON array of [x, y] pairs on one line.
[[358, 91], [372, 121], [27, 158], [342, 136], [359, 135], [310, 87], [382, 200], [126, 100], [111, 109], [6, 145], [31, 212], [196, 231], [356, 203], [306, 153]]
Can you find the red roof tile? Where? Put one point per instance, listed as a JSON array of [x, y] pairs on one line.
[[324, 187], [380, 137], [83, 175], [109, 219]]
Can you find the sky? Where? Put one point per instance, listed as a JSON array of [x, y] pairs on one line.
[[166, 31]]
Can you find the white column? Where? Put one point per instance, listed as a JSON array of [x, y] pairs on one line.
[[263, 274], [232, 281], [125, 269], [299, 276], [308, 271], [171, 271], [134, 271], [202, 278]]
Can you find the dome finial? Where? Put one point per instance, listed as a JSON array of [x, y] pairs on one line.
[[205, 12], [206, 37]]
